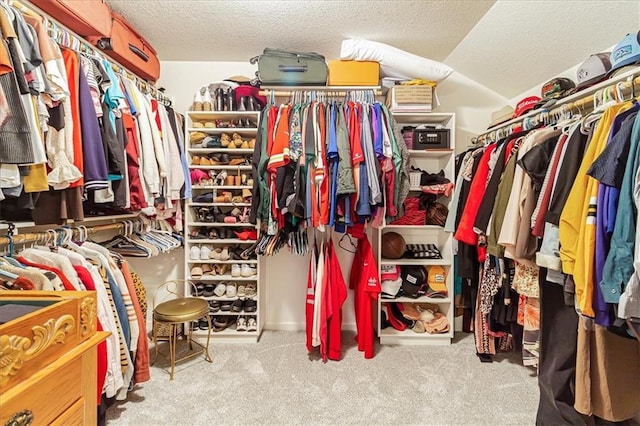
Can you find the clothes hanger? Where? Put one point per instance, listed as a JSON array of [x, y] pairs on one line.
[[353, 247]]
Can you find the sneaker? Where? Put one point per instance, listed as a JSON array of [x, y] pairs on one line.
[[247, 271], [241, 292], [251, 290], [241, 325], [194, 253], [232, 290], [252, 325], [236, 271], [205, 251], [220, 290]]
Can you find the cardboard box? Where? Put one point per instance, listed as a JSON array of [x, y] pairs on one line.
[[353, 73], [414, 98]]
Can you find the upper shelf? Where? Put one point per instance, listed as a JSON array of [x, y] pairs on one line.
[[213, 115], [317, 88], [423, 117]]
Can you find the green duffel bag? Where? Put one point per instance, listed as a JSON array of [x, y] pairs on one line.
[[287, 68]]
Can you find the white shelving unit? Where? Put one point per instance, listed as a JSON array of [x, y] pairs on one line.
[[432, 161], [192, 223]]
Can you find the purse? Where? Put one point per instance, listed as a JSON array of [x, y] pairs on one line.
[[289, 68]]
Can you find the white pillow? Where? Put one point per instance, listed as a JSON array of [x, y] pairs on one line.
[[393, 61]]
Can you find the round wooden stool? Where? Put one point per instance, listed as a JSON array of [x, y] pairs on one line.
[[172, 314]]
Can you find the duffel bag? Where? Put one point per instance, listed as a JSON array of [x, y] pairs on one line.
[[87, 18], [130, 49], [288, 68]]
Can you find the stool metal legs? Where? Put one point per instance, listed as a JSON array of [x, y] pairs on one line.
[[173, 343]]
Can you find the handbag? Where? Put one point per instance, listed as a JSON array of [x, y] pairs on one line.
[[289, 68]]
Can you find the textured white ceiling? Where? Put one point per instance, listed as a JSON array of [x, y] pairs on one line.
[[507, 46], [519, 44], [201, 30]]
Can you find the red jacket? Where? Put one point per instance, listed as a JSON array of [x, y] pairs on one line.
[[465, 232]]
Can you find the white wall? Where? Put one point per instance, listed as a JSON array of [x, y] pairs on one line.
[[286, 274]]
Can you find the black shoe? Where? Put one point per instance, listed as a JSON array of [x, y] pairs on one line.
[[204, 325], [237, 306], [225, 306], [250, 305], [214, 306], [208, 290]]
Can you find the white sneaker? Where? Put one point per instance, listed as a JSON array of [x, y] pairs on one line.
[[247, 271], [205, 251], [236, 271], [194, 253], [241, 325], [252, 325], [232, 290]]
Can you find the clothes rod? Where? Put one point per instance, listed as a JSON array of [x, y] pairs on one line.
[[582, 105], [40, 236], [325, 91], [84, 46]]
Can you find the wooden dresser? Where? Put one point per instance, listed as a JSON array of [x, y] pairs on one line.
[[48, 358]]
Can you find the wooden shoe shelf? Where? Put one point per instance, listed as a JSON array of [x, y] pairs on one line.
[[432, 160], [193, 222]]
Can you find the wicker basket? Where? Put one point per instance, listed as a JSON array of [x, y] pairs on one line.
[[414, 179]]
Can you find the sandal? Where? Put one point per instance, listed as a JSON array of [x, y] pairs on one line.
[[196, 272], [195, 160], [252, 143], [237, 199], [197, 125], [251, 290], [242, 287]]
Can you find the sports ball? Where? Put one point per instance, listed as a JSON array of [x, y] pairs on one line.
[[393, 245]]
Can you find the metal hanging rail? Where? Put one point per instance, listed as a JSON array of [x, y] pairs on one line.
[[582, 102]]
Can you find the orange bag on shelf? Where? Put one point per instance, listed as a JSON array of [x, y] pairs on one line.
[[130, 49], [87, 18]]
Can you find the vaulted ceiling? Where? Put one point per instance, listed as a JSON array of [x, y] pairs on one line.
[[506, 45]]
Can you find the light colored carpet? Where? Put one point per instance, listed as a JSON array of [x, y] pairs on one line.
[[274, 382]]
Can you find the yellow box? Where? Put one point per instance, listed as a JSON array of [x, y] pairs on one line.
[[353, 73]]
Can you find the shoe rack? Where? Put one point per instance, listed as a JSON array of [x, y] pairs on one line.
[[217, 238], [432, 161]]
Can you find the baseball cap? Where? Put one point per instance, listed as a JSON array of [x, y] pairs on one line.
[[390, 288], [526, 105], [413, 280], [437, 280], [556, 88], [593, 70], [626, 52], [389, 272], [503, 114]]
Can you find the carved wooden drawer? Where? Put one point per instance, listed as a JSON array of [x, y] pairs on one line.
[[48, 357]]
